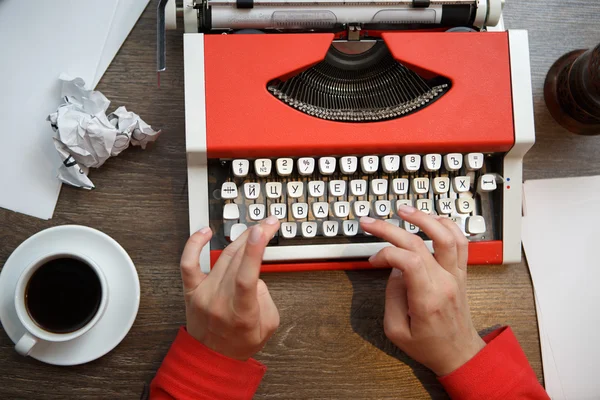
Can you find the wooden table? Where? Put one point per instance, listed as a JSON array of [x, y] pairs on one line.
[[330, 343]]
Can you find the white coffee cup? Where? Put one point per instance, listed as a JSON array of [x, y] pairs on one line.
[[35, 333]]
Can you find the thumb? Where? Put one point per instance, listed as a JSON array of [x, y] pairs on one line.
[[191, 274], [396, 322]]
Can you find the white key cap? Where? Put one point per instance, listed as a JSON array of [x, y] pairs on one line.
[[350, 227], [420, 185], [316, 188], [361, 208], [441, 185], [295, 189], [401, 202], [327, 165], [383, 208], [309, 229], [288, 229], [358, 187], [262, 166], [461, 184], [411, 162], [453, 161], [306, 166], [475, 225], [433, 162], [251, 190], [474, 161], [341, 209], [369, 164], [240, 168], [379, 187], [465, 205], [410, 228], [273, 189], [395, 222], [256, 211], [425, 205], [390, 163], [299, 210], [279, 210], [337, 188], [348, 165], [445, 206], [330, 228], [487, 183], [229, 190], [231, 211], [400, 186], [284, 166], [320, 209], [236, 231]]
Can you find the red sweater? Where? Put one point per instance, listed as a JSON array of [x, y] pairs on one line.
[[192, 371]]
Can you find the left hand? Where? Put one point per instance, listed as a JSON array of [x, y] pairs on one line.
[[230, 310]]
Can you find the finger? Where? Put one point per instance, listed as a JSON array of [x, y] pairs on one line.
[[444, 242], [396, 323], [462, 244], [411, 264], [246, 280], [394, 235], [220, 268], [235, 261], [191, 274]]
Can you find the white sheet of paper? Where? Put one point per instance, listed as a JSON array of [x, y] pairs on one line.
[[561, 234], [126, 15], [551, 378], [38, 43]]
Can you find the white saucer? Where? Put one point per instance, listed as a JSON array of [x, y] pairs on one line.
[[123, 300]]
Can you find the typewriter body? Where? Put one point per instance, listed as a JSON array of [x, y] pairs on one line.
[[320, 112]]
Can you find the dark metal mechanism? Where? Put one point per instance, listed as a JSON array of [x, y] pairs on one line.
[[366, 87]]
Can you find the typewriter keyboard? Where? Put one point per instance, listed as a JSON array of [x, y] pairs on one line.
[[319, 200]]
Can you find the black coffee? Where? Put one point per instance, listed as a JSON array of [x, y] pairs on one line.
[[63, 295]]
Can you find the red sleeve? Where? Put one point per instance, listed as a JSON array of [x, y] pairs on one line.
[[193, 371], [499, 371]]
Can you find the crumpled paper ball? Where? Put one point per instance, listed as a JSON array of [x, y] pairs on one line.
[[87, 137]]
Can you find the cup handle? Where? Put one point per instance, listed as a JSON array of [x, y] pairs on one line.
[[25, 344]]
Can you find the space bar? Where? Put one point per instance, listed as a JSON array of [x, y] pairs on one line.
[[326, 251]]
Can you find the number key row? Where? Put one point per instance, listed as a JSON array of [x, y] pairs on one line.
[[368, 164]]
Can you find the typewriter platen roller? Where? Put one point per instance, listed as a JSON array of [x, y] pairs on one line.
[[295, 85]]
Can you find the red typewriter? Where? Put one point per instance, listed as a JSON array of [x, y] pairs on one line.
[[320, 112]]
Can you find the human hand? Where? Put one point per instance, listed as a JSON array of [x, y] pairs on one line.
[[426, 309], [230, 310]]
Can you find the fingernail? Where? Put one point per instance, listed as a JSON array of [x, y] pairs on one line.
[[406, 209], [272, 220], [371, 258], [367, 220], [205, 230], [255, 234], [436, 217]]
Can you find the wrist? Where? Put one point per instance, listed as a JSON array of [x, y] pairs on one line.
[[459, 359], [218, 345]]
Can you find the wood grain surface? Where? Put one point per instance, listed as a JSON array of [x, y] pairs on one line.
[[330, 344]]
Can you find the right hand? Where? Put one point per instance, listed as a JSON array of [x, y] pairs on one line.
[[426, 309], [230, 310]]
